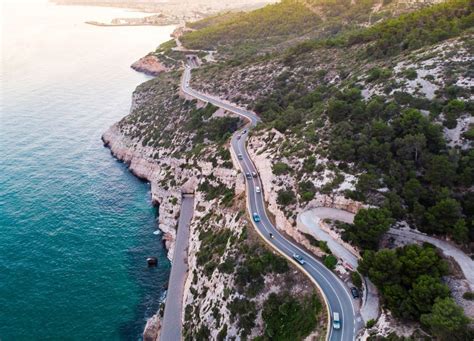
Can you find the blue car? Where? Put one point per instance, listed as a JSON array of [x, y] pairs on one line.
[[256, 217], [299, 259]]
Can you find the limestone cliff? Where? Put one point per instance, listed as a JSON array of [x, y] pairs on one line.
[[162, 141]]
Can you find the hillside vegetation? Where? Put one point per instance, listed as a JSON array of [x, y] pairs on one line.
[[379, 104], [279, 26], [406, 32], [247, 33], [414, 30]]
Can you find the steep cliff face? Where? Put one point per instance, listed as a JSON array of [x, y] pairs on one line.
[[164, 194], [231, 274]]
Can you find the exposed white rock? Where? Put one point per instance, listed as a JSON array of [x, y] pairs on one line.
[[454, 136], [431, 66]]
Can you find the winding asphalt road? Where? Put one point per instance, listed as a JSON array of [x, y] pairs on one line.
[[334, 290]]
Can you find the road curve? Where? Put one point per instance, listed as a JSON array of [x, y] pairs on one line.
[[335, 291]]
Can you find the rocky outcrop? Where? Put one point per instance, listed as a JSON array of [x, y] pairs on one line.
[[152, 329], [149, 65]]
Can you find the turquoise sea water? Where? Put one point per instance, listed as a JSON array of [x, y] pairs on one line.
[[75, 225]]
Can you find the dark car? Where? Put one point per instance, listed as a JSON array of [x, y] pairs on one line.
[[355, 292], [254, 174], [248, 176]]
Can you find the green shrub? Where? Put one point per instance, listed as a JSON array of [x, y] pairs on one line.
[[246, 312], [469, 295], [286, 318], [410, 74], [209, 268], [323, 245], [369, 226], [167, 46], [330, 261], [377, 73], [228, 266], [309, 164], [280, 168], [257, 263], [469, 134], [244, 34], [286, 197], [370, 323], [213, 245], [222, 333], [356, 279], [203, 333], [306, 190]]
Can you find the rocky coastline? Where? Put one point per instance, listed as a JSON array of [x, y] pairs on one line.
[[149, 65], [149, 171], [124, 150], [169, 177]]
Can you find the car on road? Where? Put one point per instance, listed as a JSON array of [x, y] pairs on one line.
[[256, 217], [240, 156], [355, 292], [254, 174], [238, 137], [257, 189], [248, 176], [336, 321], [299, 259], [271, 235]]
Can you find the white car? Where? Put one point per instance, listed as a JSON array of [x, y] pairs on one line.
[[336, 321], [257, 189]]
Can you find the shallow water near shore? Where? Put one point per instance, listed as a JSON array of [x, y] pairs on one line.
[[75, 225]]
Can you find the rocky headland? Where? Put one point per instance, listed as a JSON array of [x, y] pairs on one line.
[[149, 65]]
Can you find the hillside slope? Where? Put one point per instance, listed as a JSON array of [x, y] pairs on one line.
[[381, 115], [366, 106], [269, 29]]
